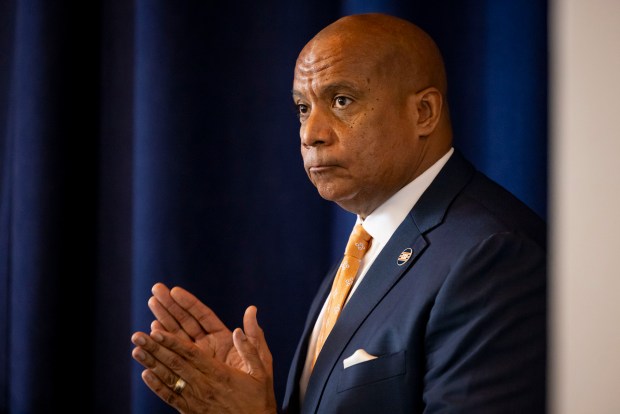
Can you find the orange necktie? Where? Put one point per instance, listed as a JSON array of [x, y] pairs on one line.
[[358, 244]]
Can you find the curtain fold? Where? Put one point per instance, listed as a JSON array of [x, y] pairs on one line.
[[156, 141]]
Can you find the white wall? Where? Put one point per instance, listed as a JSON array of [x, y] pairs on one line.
[[585, 206]]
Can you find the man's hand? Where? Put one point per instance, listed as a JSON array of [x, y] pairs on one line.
[[225, 372], [182, 314]]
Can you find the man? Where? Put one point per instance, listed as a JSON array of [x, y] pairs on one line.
[[447, 310]]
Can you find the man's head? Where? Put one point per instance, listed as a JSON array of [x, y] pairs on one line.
[[370, 92]]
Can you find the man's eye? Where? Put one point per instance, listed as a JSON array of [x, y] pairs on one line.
[[341, 101], [301, 109]]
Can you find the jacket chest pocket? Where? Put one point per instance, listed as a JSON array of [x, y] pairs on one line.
[[371, 371]]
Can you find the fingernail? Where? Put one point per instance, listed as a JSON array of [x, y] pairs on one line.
[[146, 374], [139, 354], [157, 337], [139, 340]]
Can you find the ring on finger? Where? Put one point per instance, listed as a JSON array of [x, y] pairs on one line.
[[179, 386]]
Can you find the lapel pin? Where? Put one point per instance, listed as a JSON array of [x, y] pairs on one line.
[[405, 255]]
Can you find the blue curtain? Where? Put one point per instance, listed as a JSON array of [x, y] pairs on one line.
[[156, 141]]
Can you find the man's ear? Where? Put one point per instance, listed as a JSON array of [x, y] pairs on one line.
[[429, 104]]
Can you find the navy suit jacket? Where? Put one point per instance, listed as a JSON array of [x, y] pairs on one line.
[[460, 327]]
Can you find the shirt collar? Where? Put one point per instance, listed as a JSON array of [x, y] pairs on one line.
[[386, 218]]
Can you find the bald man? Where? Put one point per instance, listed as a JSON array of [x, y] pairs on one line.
[[447, 312]]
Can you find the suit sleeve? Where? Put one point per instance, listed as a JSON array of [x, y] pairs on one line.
[[486, 334]]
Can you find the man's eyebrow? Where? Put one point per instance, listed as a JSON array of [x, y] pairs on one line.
[[331, 89], [339, 87]]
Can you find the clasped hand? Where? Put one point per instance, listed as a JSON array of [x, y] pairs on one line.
[[220, 371]]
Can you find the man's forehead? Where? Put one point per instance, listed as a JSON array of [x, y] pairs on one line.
[[315, 63], [338, 58], [334, 67]]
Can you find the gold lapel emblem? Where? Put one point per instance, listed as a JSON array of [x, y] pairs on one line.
[[404, 256]]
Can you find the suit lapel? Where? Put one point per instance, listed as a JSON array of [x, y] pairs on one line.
[[385, 272], [291, 397], [382, 275]]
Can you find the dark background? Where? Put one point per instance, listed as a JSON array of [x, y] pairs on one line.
[[156, 141]]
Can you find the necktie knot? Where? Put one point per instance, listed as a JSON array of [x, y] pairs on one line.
[[359, 242]]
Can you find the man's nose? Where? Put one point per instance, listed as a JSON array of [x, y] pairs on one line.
[[316, 129]]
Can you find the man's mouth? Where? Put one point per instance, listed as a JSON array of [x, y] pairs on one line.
[[317, 169]]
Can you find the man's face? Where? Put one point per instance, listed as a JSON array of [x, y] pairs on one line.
[[358, 136]]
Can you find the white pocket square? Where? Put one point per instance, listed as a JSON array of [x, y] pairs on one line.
[[358, 356]]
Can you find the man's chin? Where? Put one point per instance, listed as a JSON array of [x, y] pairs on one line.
[[330, 193], [345, 200]]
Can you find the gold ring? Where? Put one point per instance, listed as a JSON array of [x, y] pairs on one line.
[[179, 386]]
